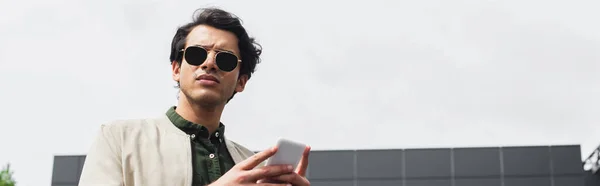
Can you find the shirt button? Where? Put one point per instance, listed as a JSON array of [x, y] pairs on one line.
[[217, 134], [211, 156]]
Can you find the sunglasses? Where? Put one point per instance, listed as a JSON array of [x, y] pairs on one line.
[[225, 60]]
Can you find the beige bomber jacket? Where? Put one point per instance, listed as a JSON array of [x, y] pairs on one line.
[[144, 152]]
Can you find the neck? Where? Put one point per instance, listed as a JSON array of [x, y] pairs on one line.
[[207, 116]]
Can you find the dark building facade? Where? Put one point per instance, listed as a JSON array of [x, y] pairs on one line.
[[490, 166]]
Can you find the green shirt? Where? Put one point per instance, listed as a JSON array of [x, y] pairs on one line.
[[210, 158]]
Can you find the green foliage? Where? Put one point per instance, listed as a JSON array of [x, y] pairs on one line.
[[6, 178]]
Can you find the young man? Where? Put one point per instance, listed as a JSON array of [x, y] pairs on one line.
[[212, 58]]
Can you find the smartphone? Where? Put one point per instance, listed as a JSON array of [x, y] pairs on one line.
[[288, 153]]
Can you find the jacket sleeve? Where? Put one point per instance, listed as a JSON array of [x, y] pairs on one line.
[[103, 162]]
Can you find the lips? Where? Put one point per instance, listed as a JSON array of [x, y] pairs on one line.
[[208, 77]]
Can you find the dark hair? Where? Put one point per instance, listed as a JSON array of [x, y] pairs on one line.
[[250, 50]]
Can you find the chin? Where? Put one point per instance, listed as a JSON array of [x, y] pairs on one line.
[[205, 97]]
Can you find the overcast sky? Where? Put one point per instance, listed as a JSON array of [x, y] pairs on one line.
[[335, 75]]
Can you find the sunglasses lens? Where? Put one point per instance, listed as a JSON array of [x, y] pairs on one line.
[[226, 61], [195, 55]]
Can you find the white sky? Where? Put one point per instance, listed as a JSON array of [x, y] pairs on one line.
[[336, 75]]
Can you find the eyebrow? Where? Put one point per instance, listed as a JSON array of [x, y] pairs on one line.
[[215, 48]]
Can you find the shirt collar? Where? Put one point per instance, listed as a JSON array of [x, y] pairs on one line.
[[193, 128]]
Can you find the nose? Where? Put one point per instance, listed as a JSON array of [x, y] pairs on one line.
[[209, 64]]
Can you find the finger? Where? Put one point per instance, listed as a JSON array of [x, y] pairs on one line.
[[269, 181], [293, 178], [256, 159], [303, 165], [267, 171]]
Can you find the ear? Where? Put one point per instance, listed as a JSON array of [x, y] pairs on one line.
[[176, 69], [241, 83]]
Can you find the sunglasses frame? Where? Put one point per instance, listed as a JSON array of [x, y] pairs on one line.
[[183, 51]]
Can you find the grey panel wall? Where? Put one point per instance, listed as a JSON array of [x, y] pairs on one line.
[[499, 166], [376, 164], [66, 170], [340, 165], [591, 179]]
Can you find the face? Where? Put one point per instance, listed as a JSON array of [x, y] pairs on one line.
[[206, 84]]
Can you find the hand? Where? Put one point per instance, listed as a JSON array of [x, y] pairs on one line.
[[297, 178], [244, 173]]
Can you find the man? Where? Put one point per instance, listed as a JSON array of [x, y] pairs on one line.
[[212, 58]]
